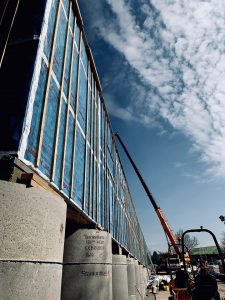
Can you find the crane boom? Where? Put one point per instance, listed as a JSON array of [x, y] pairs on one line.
[[164, 223]]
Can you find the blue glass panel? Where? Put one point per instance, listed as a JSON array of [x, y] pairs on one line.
[[98, 130], [94, 191], [93, 126], [121, 226], [110, 162], [102, 127], [60, 46], [110, 208], [91, 186], [31, 151], [58, 168], [125, 233], [67, 69], [66, 4], [73, 89], [49, 129], [119, 223], [79, 169], [77, 36], [51, 25], [101, 196], [104, 198], [82, 99], [122, 194], [89, 116], [72, 17], [84, 56], [115, 220], [89, 76], [69, 155], [93, 85], [87, 188], [109, 138]]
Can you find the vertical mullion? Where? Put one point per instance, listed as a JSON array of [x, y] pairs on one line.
[[93, 147], [105, 181], [86, 140], [96, 141], [91, 156], [75, 117], [105, 163], [60, 98], [43, 116], [68, 107]]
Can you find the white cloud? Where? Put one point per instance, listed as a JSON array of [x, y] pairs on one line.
[[180, 53]]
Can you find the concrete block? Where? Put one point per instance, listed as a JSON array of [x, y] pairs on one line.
[[131, 278], [142, 288], [137, 277], [87, 281], [88, 246], [32, 224], [119, 277], [30, 281]]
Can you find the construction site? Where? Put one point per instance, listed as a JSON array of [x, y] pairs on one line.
[[68, 224]]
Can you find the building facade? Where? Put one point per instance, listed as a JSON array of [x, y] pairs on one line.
[[56, 120]]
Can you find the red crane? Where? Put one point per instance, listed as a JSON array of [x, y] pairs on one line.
[[169, 233]]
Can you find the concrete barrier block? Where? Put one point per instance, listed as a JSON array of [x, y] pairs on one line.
[[88, 246], [87, 281], [32, 224], [26, 281], [131, 278], [119, 277]]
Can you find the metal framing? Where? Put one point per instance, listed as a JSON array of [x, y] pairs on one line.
[[104, 191], [68, 107], [75, 122], [43, 116], [60, 97]]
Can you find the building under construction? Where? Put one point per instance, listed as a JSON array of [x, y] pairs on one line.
[[57, 146]]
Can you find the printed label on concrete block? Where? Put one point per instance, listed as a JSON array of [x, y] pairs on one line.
[[87, 281], [88, 246]]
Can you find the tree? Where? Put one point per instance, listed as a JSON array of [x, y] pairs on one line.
[[222, 240], [190, 242]]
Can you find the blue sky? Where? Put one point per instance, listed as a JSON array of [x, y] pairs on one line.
[[162, 69]]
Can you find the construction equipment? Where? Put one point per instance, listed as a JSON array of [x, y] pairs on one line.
[[201, 285], [8, 11], [174, 261], [169, 233], [184, 286]]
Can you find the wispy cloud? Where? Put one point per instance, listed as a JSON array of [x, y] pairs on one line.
[[177, 49], [178, 165]]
